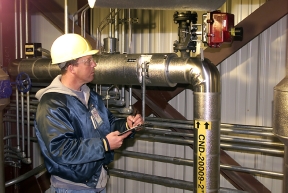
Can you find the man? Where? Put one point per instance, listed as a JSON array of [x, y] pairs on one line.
[[76, 132]]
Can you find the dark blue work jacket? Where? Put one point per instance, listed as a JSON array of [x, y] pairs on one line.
[[70, 141]]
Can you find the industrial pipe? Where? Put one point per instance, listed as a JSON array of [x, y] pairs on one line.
[[164, 181], [33, 172], [66, 17], [188, 162], [280, 119], [83, 21], [161, 70]]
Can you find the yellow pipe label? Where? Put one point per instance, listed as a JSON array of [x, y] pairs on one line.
[[202, 127]]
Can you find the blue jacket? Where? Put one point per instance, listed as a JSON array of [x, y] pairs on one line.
[[71, 141]]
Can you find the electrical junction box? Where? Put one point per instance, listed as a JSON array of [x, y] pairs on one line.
[[219, 28]]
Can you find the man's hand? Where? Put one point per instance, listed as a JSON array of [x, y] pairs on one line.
[[116, 141], [133, 121]]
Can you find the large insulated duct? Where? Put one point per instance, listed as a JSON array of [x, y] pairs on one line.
[[280, 118], [161, 70], [201, 5], [280, 122]]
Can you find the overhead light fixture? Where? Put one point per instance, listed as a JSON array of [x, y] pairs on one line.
[[91, 3]]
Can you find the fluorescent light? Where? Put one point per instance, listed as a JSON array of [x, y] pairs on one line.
[[91, 3]]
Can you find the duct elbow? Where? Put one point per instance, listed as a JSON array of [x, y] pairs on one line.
[[204, 77]]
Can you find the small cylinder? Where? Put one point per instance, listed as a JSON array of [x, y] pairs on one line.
[[110, 45]]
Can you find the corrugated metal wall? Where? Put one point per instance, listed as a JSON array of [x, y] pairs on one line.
[[248, 78]]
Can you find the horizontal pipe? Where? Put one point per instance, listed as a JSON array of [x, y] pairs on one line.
[[226, 146], [234, 139], [33, 172], [33, 139], [164, 181], [190, 142], [191, 122], [257, 133], [188, 162]]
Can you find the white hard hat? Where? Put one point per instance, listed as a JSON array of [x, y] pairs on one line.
[[70, 47]]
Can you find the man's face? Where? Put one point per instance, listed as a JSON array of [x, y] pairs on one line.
[[84, 71]]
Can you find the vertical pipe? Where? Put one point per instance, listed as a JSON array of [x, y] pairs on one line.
[[280, 121], [143, 89], [207, 113], [16, 29], [20, 30], [207, 142], [91, 21], [110, 24], [129, 31], [123, 43], [130, 96], [285, 170], [28, 95], [123, 93], [17, 120], [116, 24], [66, 16], [83, 24], [23, 124], [26, 22], [2, 176], [76, 14], [28, 125], [83, 19]]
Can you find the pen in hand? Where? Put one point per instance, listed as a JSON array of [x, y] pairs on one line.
[[134, 115]]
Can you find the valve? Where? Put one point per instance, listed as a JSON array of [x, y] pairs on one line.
[[217, 28], [23, 82], [186, 35]]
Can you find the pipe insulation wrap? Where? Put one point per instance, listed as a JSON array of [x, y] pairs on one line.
[[35, 68], [163, 69], [127, 69], [280, 110], [201, 5], [207, 115]]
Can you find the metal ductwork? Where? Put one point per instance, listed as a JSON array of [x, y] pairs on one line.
[[280, 122], [280, 119], [160, 70], [205, 5], [125, 69]]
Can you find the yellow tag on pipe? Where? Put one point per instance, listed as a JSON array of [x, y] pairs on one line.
[[202, 127]]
